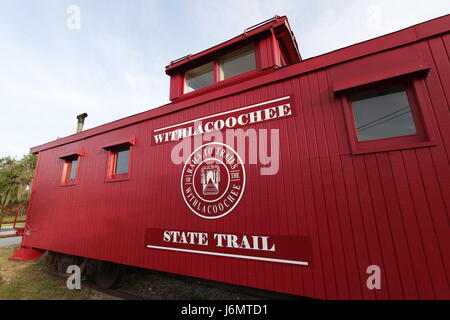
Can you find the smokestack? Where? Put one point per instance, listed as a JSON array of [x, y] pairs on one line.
[[80, 123]]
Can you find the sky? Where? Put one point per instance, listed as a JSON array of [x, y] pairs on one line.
[[60, 58]]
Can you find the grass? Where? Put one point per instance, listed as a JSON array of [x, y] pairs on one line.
[[10, 219], [10, 225], [29, 281], [8, 222]]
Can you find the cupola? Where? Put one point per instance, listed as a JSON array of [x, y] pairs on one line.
[[263, 47]]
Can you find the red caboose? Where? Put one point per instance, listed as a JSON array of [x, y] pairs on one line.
[[298, 176]]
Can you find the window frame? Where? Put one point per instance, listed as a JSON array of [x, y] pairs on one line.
[[223, 56], [112, 154], [185, 87], [217, 69], [67, 168], [422, 137]]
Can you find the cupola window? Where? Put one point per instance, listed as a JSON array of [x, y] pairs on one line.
[[199, 77], [237, 62]]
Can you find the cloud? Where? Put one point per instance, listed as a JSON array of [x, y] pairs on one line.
[[40, 98], [113, 66]]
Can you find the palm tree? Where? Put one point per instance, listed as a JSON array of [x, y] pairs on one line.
[[16, 177]]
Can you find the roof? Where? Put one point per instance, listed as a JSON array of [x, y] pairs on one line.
[[393, 40], [279, 24]]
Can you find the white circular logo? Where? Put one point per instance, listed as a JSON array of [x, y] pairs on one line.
[[213, 180]]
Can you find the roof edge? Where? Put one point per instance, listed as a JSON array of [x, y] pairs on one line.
[[249, 33]]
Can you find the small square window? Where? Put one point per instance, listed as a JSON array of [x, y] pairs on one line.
[[119, 160], [237, 62], [122, 161], [199, 77], [386, 116], [383, 113], [70, 170]]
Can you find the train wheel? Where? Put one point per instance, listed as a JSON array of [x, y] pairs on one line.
[[63, 262], [108, 275]]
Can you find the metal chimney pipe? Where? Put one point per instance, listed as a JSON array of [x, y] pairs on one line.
[[80, 123]]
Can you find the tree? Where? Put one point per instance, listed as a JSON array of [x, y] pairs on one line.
[[16, 177]]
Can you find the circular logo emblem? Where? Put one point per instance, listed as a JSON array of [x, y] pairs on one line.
[[213, 180]]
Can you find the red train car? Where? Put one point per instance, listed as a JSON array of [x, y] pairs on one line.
[[327, 177]]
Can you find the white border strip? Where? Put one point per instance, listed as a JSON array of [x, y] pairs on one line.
[[220, 114], [301, 263]]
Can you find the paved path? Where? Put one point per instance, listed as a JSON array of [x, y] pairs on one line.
[[9, 241]]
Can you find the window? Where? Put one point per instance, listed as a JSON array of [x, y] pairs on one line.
[[70, 169], [199, 77], [383, 113], [237, 62], [230, 65], [119, 162], [387, 116], [73, 164], [122, 160]]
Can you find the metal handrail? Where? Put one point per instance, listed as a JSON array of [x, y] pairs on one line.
[[276, 17], [17, 213], [180, 59]]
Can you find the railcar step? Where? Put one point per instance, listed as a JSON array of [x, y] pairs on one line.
[[27, 254]]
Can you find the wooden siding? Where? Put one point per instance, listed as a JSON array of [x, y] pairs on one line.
[[388, 208]]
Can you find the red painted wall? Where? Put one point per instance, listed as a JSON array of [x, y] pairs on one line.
[[386, 208]]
